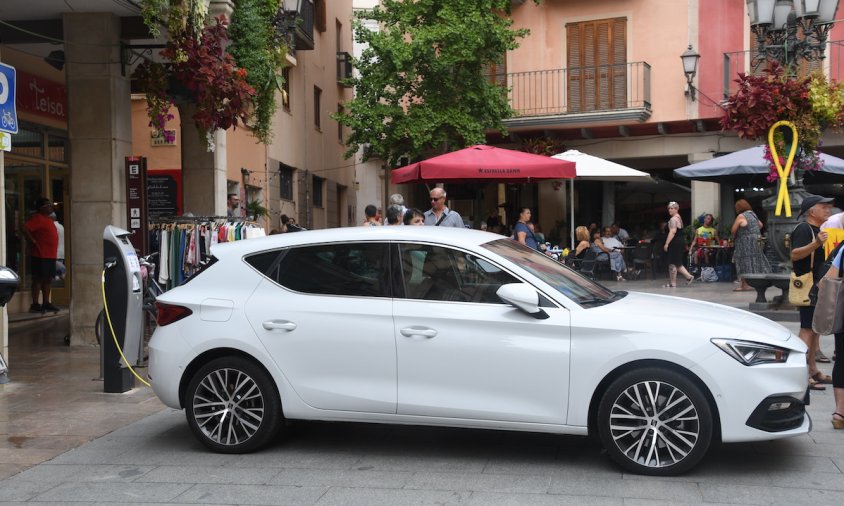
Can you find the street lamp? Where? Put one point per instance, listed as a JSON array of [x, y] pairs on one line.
[[690, 58], [776, 22]]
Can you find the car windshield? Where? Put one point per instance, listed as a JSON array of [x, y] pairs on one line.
[[573, 285]]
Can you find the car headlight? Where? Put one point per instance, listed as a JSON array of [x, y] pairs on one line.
[[750, 353]]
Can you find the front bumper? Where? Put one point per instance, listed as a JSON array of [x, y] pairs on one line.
[[742, 393]]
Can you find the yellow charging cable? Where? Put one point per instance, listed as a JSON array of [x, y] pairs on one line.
[[114, 336]]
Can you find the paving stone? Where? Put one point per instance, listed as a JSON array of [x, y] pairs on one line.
[[747, 494], [498, 499], [341, 478], [9, 470], [252, 494], [640, 489], [516, 484], [420, 462], [209, 474], [389, 497], [21, 490], [117, 492], [300, 458]]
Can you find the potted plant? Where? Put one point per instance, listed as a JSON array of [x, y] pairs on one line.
[[255, 209]]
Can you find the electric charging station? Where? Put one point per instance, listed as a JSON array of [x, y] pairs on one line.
[[124, 301]]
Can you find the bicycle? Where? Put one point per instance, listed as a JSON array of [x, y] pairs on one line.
[[151, 290]]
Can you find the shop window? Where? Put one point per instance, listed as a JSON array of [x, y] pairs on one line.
[[318, 188], [28, 143], [285, 176], [57, 148]]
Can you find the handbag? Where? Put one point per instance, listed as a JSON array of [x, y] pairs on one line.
[[829, 310], [800, 286]]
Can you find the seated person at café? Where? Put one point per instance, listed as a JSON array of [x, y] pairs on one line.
[[608, 246], [705, 235]]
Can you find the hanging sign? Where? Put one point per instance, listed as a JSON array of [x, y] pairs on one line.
[[8, 112], [783, 199]]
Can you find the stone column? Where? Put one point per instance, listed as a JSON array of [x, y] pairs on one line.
[[100, 128], [203, 171]]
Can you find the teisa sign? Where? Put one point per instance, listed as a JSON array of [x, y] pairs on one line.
[[8, 113]]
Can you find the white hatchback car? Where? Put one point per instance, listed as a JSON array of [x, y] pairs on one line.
[[461, 328]]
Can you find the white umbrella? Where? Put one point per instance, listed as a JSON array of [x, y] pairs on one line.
[[592, 168]]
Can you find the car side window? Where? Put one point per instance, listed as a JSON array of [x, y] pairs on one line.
[[353, 269], [443, 274]]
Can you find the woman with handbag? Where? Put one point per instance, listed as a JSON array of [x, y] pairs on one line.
[[837, 369], [807, 258]]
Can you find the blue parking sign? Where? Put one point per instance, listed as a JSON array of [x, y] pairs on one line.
[[8, 112]]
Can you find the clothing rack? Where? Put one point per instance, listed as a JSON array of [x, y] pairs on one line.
[[184, 242]]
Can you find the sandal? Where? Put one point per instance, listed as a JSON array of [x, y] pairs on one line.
[[815, 385], [669, 285], [837, 423], [690, 281], [822, 378], [743, 289], [820, 357]]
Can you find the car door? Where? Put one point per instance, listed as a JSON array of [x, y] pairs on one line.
[[324, 314], [463, 353]]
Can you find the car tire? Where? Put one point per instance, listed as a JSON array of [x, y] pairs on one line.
[[232, 405], [655, 421]]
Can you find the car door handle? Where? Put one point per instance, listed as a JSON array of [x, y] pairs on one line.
[[418, 331], [278, 324]]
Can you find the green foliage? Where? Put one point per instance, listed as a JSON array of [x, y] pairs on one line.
[[422, 87], [256, 209], [256, 47]]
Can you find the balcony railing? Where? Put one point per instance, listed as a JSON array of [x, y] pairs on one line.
[[746, 62], [579, 90]]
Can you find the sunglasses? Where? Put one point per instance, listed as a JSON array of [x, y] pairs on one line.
[[434, 199]]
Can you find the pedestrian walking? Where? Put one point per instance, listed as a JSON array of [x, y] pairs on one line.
[[43, 246], [807, 255], [439, 215], [675, 247]]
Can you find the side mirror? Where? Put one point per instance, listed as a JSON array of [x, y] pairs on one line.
[[524, 297]]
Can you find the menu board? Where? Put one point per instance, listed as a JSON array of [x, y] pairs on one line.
[[164, 193]]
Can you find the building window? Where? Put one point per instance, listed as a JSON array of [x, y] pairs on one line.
[[285, 88], [496, 73], [317, 108], [339, 28], [597, 65], [319, 15], [285, 176], [318, 186], [340, 125]]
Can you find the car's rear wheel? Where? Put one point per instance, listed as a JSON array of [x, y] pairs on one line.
[[655, 421], [232, 405]]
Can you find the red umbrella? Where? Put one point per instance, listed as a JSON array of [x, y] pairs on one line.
[[484, 163]]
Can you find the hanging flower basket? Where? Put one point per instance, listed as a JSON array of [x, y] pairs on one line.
[[813, 104]]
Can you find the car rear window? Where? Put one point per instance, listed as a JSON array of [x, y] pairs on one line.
[[353, 269]]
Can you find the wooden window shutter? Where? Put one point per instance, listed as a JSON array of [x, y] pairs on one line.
[[574, 71], [597, 65]]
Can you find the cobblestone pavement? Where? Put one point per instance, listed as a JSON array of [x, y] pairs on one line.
[[157, 460]]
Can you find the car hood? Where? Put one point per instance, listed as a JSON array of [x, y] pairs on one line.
[[656, 313]]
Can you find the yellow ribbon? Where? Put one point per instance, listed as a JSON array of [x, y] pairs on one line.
[[782, 197]]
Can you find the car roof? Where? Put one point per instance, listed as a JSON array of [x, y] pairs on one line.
[[459, 237]]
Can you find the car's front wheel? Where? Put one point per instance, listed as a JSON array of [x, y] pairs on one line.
[[655, 421], [232, 405]]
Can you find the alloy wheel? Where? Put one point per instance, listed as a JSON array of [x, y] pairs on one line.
[[228, 406], [654, 424]]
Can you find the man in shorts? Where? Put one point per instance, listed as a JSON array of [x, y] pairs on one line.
[[807, 254], [43, 247]]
